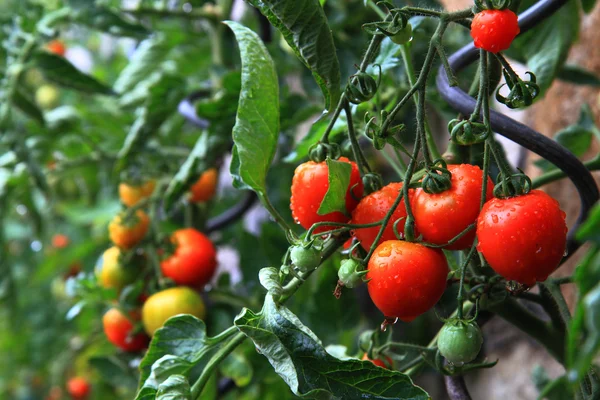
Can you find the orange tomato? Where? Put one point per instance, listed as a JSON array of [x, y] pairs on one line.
[[57, 47], [205, 187], [130, 195], [126, 234]]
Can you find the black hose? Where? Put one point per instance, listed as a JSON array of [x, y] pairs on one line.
[[522, 134], [231, 214]]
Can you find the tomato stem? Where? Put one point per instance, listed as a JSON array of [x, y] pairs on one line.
[[461, 284]]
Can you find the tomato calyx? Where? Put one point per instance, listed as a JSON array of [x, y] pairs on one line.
[[321, 151], [372, 182], [522, 93], [468, 132], [508, 186], [378, 135], [491, 5], [362, 87], [437, 178]]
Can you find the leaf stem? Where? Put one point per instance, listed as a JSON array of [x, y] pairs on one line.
[[361, 160], [557, 174]]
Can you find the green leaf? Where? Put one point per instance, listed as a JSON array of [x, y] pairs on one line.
[[339, 179], [164, 96], [238, 368], [546, 47], [257, 122], [269, 279], [109, 21], [114, 371], [299, 358], [313, 136], [549, 389], [58, 70], [304, 27], [590, 229], [149, 54], [577, 75], [28, 106], [176, 387], [160, 372], [387, 57], [588, 5]]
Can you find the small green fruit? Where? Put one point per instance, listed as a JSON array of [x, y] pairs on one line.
[[305, 259], [460, 341]]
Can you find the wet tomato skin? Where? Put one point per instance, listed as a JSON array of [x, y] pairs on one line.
[[523, 238], [117, 328], [441, 217], [494, 30], [406, 279], [309, 186], [373, 208], [194, 261]]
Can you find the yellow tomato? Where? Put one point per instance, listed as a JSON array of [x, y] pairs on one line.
[[170, 302]]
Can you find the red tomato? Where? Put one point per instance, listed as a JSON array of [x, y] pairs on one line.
[[440, 217], [118, 329], [57, 47], [373, 208], [523, 238], [127, 235], [494, 30], [309, 186], [60, 241], [78, 388], [406, 279], [194, 261], [205, 187], [380, 362]]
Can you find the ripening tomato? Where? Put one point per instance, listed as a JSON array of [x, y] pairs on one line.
[[406, 279], [79, 388], [309, 186], [57, 47], [126, 234], [379, 362], [47, 97], [441, 217], [60, 241], [194, 261], [523, 238], [111, 273], [118, 327], [170, 302], [130, 195], [205, 187], [494, 30], [373, 208]]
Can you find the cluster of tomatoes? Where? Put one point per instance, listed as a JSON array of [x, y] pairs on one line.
[[522, 238], [187, 263]]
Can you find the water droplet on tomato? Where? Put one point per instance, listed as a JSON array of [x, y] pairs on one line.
[[494, 218]]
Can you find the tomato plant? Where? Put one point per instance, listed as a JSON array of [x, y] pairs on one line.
[[252, 200]]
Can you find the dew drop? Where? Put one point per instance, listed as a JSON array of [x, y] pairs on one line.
[[494, 218]]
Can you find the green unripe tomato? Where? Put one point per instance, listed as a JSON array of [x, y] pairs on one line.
[[404, 36], [305, 259], [351, 273], [460, 341], [47, 97]]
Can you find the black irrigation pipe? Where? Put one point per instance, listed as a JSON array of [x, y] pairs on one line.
[[188, 111], [523, 135]]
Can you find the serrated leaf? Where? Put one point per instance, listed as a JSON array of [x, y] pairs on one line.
[[546, 47], [106, 20], [299, 358], [257, 121], [577, 75], [58, 70], [176, 387], [28, 106], [338, 178], [149, 54], [304, 27]]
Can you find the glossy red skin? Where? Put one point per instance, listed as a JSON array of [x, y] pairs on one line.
[[379, 362], [441, 217], [523, 238], [309, 186], [194, 261], [373, 208], [78, 388], [57, 47], [494, 30], [118, 328], [406, 279]]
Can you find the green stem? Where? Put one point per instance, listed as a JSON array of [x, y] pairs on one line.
[[463, 272], [361, 160], [396, 166], [264, 199], [344, 225], [556, 174], [336, 114], [407, 346], [233, 343], [555, 305]]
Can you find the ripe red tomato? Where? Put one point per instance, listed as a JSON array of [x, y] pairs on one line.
[[406, 279], [494, 30], [127, 235], [170, 302], [523, 238], [78, 387], [194, 261], [440, 217], [373, 208], [309, 186], [118, 327], [380, 362], [57, 47], [205, 187], [130, 195]]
